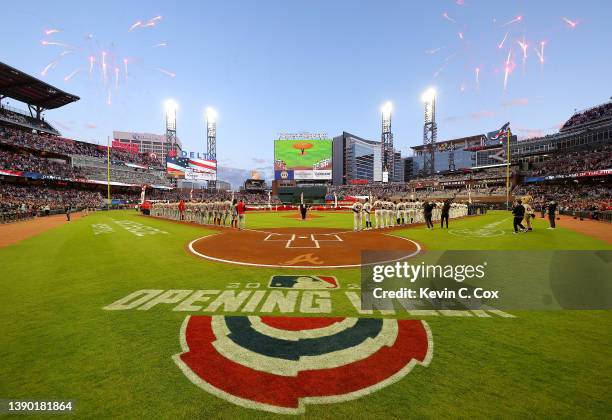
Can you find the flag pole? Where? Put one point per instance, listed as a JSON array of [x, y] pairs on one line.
[[108, 194], [508, 169]]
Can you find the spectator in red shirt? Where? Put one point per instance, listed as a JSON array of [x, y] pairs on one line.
[[240, 209]]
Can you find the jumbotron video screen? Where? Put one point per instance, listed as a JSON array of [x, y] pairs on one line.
[[303, 159]]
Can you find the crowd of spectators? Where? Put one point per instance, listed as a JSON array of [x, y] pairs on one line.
[[570, 196], [124, 174], [60, 145], [21, 119], [30, 162], [34, 199], [574, 162], [589, 115]]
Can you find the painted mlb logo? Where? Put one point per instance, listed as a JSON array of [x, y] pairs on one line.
[[304, 282], [282, 364]]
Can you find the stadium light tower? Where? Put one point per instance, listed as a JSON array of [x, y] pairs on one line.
[[386, 143], [211, 139], [171, 108], [430, 131]]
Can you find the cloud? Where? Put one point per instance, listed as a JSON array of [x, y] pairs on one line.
[[91, 125], [515, 102], [557, 126], [260, 161], [481, 114], [527, 133]]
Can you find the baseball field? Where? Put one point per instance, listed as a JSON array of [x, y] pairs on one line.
[[302, 154], [136, 317]]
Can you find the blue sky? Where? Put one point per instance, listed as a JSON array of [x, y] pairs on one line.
[[286, 66]]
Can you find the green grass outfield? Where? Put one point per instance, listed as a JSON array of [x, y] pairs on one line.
[[57, 341]]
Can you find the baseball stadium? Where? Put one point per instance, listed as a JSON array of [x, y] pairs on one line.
[[394, 275]]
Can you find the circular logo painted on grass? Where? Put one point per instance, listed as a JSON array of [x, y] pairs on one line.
[[282, 364]]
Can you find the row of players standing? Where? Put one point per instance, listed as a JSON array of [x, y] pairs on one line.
[[403, 212], [204, 213]]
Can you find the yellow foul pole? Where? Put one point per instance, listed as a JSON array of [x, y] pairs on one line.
[[108, 203]]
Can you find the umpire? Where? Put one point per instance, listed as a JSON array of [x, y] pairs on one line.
[[427, 213], [552, 214], [519, 213], [445, 213]]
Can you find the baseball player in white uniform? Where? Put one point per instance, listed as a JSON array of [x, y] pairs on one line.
[[367, 209], [378, 216], [390, 214], [357, 215], [397, 212]]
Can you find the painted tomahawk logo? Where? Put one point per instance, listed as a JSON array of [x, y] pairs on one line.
[[282, 364]]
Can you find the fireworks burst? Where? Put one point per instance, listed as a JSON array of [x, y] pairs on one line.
[[515, 20], [48, 67], [447, 17], [90, 55], [52, 43], [134, 26], [71, 75], [508, 67], [501, 44], [150, 23], [540, 52], [116, 78], [524, 46], [571, 23], [433, 50], [166, 72], [104, 65], [125, 68]]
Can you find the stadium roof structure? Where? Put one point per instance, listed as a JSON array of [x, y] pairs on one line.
[[458, 141], [18, 85]]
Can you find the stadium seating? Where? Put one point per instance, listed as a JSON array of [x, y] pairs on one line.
[[589, 116]]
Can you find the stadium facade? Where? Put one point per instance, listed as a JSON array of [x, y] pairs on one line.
[[357, 160], [145, 143]]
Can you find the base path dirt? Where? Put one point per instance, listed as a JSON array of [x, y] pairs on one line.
[[11, 233], [594, 228], [302, 247]]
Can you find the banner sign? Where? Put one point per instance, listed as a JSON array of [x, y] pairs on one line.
[[127, 147], [584, 174], [194, 155], [314, 175]]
